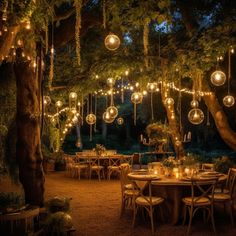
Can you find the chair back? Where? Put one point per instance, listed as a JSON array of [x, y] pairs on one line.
[[125, 169], [208, 166], [94, 161], [202, 189], [127, 159], [231, 181], [114, 161]]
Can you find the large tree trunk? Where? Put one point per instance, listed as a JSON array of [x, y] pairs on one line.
[[226, 133], [173, 124], [28, 150]]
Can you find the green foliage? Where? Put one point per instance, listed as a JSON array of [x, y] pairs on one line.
[[58, 204], [10, 201], [222, 164]]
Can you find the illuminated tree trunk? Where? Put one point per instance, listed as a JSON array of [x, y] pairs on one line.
[[28, 150], [173, 124], [222, 125]]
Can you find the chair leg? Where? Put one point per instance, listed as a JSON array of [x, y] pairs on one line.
[[231, 209], [211, 211], [134, 214], [190, 219], [151, 217], [185, 213]]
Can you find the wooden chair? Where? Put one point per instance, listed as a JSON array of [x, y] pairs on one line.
[[202, 197], [94, 166], [128, 194], [208, 166], [113, 166], [148, 202], [226, 197], [127, 159]]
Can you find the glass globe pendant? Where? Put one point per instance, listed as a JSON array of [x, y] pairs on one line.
[[194, 104], [113, 111], [169, 101], [120, 121], [218, 78], [137, 97], [91, 119], [196, 116], [46, 100], [112, 42], [228, 101], [110, 82], [107, 118], [58, 104], [151, 87]]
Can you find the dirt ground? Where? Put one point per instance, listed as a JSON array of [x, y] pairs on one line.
[[95, 209]]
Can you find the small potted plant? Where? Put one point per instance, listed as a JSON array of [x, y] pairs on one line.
[[169, 164], [60, 163], [48, 160]]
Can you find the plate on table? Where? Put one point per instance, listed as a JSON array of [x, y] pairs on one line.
[[185, 179], [211, 174], [140, 171]]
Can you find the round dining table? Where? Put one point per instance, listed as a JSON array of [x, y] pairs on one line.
[[171, 189]]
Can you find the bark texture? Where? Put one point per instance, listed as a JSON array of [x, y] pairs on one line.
[[221, 121], [28, 151], [176, 137]]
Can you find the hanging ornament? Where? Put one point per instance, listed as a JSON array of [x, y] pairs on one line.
[[120, 121], [228, 101], [112, 42], [218, 78], [113, 111], [136, 98], [151, 87], [73, 102], [58, 104], [122, 91], [169, 101], [110, 82], [196, 116], [194, 104], [46, 100], [91, 119], [107, 117], [78, 7]]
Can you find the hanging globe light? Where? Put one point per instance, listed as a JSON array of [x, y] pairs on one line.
[[91, 119], [112, 42], [120, 121], [58, 104], [169, 101], [194, 104], [137, 97], [110, 82], [218, 78], [196, 116], [113, 111], [228, 101], [151, 87], [46, 100], [107, 117], [73, 95]]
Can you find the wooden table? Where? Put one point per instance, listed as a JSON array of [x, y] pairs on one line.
[[171, 189]]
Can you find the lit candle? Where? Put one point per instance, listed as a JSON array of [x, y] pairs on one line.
[[155, 172], [187, 171], [141, 137], [177, 175]]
